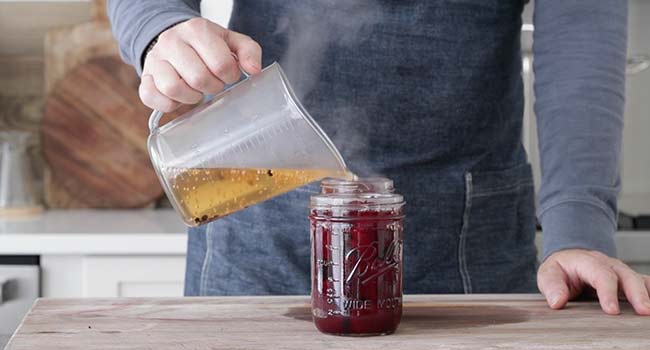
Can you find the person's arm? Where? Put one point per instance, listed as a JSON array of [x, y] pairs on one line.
[[180, 55], [579, 49], [579, 62], [137, 23]]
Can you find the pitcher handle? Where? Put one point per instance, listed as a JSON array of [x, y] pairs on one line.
[[154, 119], [156, 115]]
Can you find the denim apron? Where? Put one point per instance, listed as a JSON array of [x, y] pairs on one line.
[[427, 93]]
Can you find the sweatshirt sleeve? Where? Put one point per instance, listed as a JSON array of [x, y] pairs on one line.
[[136, 23], [579, 62]]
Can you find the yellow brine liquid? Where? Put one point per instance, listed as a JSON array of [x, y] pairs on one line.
[[205, 194]]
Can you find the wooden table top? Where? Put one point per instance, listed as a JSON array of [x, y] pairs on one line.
[[429, 321]]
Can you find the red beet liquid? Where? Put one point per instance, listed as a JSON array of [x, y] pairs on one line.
[[357, 271]]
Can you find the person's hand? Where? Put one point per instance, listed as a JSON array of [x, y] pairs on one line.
[[566, 274], [195, 58]]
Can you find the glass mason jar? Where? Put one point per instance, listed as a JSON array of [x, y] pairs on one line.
[[356, 249]]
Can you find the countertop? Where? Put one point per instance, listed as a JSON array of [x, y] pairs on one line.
[[429, 321], [84, 232]]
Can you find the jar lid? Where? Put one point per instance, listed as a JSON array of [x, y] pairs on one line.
[[358, 185], [356, 200], [360, 192]]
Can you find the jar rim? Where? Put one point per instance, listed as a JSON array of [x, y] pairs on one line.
[[356, 200], [358, 185]]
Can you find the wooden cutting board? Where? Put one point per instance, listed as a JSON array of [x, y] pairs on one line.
[[94, 136], [66, 48], [429, 322]]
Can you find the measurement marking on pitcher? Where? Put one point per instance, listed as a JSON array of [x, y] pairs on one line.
[[249, 144]]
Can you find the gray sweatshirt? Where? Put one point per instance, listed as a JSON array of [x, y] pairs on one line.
[[579, 50]]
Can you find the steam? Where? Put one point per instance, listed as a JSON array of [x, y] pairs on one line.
[[313, 29]]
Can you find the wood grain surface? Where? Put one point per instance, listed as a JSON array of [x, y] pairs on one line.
[[429, 322], [66, 48], [94, 136]]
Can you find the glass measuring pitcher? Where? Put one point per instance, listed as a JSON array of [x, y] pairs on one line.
[[251, 142]]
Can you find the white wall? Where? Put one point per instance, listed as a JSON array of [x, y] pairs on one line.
[[636, 135]]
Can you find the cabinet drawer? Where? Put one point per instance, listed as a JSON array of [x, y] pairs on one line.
[[141, 276]]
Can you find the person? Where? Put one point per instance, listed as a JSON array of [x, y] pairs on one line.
[[428, 93]]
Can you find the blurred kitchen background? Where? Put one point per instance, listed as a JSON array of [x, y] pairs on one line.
[[77, 141]]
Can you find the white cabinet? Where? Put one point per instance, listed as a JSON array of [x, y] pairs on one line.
[[112, 276], [102, 253], [136, 276]]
